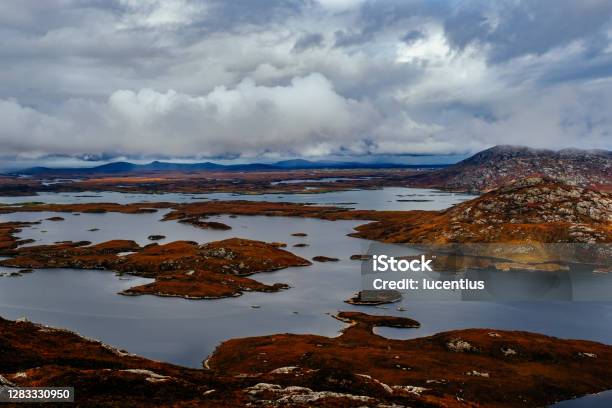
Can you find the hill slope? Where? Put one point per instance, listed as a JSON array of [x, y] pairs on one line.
[[531, 210], [502, 165]]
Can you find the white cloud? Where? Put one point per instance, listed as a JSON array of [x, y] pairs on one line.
[[432, 47], [559, 117], [340, 5], [304, 117], [164, 13], [188, 78]]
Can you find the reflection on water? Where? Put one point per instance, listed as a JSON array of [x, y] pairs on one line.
[[186, 331]]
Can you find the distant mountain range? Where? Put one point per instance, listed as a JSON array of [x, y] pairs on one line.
[[127, 167], [484, 171], [502, 165]]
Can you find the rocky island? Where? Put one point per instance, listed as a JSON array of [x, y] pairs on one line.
[[181, 268]]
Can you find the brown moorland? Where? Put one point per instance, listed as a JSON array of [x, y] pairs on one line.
[[463, 368], [196, 182], [474, 367], [181, 268], [33, 355], [8, 241], [534, 209]]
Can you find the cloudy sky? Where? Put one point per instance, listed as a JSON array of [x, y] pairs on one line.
[[267, 79]]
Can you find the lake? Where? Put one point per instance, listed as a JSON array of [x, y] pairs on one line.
[[380, 199], [186, 331]]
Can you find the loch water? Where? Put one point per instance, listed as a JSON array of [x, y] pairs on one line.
[[186, 331]]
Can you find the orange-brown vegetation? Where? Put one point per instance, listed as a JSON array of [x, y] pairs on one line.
[[136, 208], [16, 186], [180, 268], [464, 368], [272, 209], [474, 367], [36, 356], [248, 182], [533, 210], [8, 241]]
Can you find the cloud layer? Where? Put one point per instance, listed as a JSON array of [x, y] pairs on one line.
[[179, 78]]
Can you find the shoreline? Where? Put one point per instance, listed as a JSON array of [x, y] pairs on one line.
[[474, 355], [396, 225]]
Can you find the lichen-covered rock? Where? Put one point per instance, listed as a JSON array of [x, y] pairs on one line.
[[502, 165]]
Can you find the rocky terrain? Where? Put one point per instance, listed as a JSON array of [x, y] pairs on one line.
[[484, 171], [374, 297], [181, 268], [474, 367], [501, 165], [463, 368], [36, 355], [85, 208], [530, 210], [8, 242]]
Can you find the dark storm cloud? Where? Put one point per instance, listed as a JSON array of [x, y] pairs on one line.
[[308, 41], [526, 27], [413, 36], [351, 38], [599, 67]]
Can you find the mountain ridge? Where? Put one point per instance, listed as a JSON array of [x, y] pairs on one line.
[[504, 164], [296, 164]]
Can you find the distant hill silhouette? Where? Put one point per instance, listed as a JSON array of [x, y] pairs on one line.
[[127, 167]]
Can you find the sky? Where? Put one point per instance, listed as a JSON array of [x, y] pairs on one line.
[[260, 80]]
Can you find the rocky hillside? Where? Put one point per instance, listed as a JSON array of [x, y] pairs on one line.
[[535, 209], [536, 200], [502, 165]]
